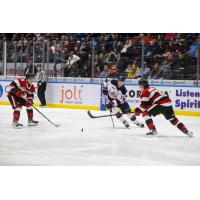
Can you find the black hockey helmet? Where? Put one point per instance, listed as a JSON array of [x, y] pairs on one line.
[[143, 82], [121, 77], [29, 75]]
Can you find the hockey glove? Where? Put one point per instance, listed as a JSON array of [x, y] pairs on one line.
[[21, 95], [105, 90], [137, 111], [109, 106]]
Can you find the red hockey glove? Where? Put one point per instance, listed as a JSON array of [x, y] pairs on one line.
[[137, 111], [21, 94]]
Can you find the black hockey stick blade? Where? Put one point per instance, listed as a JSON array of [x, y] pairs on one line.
[[99, 116]]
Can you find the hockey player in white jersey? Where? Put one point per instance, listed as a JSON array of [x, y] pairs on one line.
[[116, 93]]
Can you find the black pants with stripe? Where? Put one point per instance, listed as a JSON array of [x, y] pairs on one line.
[[167, 111], [16, 101]]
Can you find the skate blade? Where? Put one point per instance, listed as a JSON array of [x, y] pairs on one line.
[[17, 127], [152, 136], [33, 124], [190, 135]]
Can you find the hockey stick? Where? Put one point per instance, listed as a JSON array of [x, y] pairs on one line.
[[56, 125], [112, 119], [99, 116]]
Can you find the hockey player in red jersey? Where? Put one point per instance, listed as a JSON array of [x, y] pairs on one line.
[[116, 94], [22, 94], [154, 103]]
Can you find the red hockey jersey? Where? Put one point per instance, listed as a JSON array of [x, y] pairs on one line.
[[150, 97], [21, 89]]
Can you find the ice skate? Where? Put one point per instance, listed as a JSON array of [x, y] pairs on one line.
[[126, 124], [33, 123], [17, 125], [190, 133], [152, 133], [141, 125]]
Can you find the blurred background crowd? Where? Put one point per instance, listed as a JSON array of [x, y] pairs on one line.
[[156, 56]]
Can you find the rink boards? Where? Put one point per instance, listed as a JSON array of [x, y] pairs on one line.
[[185, 99]]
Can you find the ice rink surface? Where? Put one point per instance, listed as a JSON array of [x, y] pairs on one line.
[[98, 144]]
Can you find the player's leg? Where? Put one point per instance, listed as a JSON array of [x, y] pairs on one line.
[[168, 113], [127, 111], [16, 116], [119, 116], [155, 110], [150, 124], [16, 112], [31, 122]]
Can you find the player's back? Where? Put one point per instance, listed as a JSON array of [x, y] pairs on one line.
[[153, 96]]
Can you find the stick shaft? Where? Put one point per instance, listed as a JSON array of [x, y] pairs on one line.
[[44, 115], [112, 119]]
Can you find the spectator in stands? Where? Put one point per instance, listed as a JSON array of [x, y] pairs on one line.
[[74, 71], [88, 62], [171, 47], [148, 38], [113, 70], [155, 72], [132, 71], [166, 68], [71, 64], [150, 48], [170, 36], [167, 53], [181, 46], [159, 50], [193, 49], [105, 72], [143, 72], [180, 62], [72, 59], [86, 72], [13, 56], [97, 72], [103, 55], [112, 57], [98, 62], [30, 69]]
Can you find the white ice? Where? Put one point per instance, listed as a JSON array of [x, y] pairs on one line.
[[98, 144]]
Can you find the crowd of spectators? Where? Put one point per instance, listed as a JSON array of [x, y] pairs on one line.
[[165, 56]]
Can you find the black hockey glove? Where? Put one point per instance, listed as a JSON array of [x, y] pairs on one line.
[[109, 106]]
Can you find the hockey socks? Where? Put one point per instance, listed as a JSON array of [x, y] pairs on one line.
[[16, 114], [179, 125], [134, 120], [29, 113], [148, 120], [121, 118]]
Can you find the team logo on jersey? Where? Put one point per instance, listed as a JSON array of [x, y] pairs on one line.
[[1, 91]]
